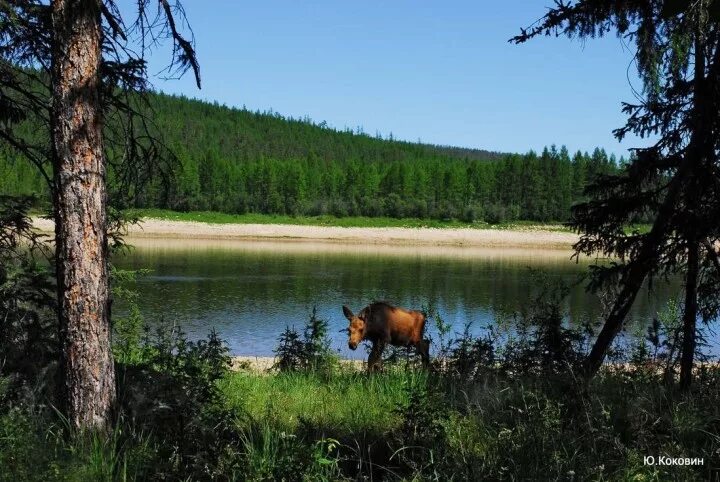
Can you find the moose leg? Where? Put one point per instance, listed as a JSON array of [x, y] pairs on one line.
[[375, 358], [423, 348]]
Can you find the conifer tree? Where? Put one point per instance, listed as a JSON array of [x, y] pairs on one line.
[[675, 182], [71, 69]]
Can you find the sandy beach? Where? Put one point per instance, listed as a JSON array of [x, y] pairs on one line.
[[526, 237], [266, 364]]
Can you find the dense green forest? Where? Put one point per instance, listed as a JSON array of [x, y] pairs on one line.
[[238, 161]]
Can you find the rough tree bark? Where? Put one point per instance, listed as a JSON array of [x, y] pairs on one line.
[[80, 218]]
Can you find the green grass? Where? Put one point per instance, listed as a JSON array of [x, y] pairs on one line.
[[327, 220], [345, 402], [491, 430], [638, 229], [345, 425]]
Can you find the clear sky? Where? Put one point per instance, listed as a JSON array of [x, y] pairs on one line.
[[439, 71]]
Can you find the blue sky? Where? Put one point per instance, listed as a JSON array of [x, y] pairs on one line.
[[442, 72]]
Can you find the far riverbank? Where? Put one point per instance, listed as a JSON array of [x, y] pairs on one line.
[[525, 236]]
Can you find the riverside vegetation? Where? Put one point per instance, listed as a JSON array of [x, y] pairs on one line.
[[502, 406], [213, 217]]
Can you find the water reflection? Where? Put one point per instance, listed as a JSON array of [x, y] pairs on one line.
[[249, 291]]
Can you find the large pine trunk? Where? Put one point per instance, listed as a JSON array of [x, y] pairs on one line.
[[88, 381]]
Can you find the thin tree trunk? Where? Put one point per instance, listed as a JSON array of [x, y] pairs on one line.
[[689, 318], [701, 138], [635, 276], [80, 219], [630, 287]]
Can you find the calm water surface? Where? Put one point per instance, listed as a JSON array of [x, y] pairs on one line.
[[250, 291]]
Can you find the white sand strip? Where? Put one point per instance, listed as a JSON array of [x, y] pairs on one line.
[[496, 238]]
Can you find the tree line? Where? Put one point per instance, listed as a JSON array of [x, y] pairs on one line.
[[239, 161]]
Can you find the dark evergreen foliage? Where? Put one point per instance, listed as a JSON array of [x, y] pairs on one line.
[[675, 182], [28, 331], [237, 161]]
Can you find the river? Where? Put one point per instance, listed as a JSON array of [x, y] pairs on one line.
[[249, 291]]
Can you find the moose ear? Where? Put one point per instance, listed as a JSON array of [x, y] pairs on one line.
[[348, 314]]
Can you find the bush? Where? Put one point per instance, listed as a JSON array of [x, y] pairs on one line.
[[372, 207], [444, 210], [310, 352], [128, 331], [339, 208], [318, 207], [471, 358], [472, 213], [500, 213], [394, 206], [171, 391], [417, 208], [421, 436], [28, 320], [168, 387], [657, 353]]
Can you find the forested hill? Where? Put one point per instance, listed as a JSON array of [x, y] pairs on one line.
[[269, 134], [235, 160]]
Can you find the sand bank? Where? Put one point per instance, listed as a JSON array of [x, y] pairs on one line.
[[266, 364], [467, 237]]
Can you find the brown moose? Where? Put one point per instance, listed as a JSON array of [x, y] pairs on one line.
[[381, 323]]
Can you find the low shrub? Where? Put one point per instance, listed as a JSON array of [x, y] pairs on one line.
[[309, 351]]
